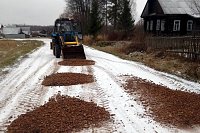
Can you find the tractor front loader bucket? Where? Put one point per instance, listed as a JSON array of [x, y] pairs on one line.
[[73, 52]]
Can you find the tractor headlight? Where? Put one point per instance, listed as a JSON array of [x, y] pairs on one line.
[[80, 36]]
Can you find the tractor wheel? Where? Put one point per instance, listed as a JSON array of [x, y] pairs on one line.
[[51, 45], [54, 50], [57, 51]]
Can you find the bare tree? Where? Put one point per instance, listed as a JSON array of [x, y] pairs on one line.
[[110, 12], [197, 5], [194, 6], [81, 10], [78, 10]]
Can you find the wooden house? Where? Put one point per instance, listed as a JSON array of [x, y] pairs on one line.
[[171, 17]]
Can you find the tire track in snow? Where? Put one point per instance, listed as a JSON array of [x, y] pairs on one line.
[[31, 100], [128, 112], [115, 107], [19, 79], [24, 90], [87, 92], [122, 67], [109, 66], [106, 91], [20, 75]]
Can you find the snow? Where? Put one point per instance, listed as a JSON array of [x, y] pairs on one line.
[[119, 67], [23, 80], [125, 110], [21, 89], [175, 7]]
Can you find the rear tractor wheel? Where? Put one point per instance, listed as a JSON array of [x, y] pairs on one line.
[[57, 51]]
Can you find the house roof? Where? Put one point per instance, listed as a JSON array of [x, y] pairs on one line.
[[179, 7]]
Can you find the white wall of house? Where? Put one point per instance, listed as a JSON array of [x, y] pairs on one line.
[[11, 30]]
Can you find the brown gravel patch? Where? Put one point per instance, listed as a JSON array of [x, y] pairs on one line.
[[67, 79], [76, 62], [170, 107], [60, 115]]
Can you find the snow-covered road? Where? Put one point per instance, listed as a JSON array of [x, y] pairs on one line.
[[21, 89]]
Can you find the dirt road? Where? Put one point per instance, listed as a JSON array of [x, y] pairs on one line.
[[21, 89]]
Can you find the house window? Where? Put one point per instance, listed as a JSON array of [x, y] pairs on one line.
[[147, 25], [189, 25], [177, 24], [158, 25], [162, 25], [151, 25]]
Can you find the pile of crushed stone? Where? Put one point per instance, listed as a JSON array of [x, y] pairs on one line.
[[169, 107], [67, 79], [60, 114], [76, 62]]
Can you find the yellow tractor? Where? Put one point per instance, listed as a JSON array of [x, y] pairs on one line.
[[66, 39]]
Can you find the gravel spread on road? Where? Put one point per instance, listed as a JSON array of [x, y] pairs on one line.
[[67, 79], [76, 62], [169, 107], [60, 114]]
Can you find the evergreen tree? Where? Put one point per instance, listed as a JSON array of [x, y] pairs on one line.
[[114, 12], [95, 18], [94, 13], [126, 19]]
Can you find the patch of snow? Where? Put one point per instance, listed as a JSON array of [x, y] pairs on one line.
[[119, 67]]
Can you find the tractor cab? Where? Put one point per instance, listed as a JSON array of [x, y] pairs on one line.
[[66, 39], [68, 28]]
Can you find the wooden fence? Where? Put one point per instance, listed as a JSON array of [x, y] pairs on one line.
[[188, 47]]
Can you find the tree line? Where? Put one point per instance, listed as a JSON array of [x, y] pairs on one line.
[[101, 15]]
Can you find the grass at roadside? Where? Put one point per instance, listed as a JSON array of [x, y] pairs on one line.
[[11, 50], [159, 60]]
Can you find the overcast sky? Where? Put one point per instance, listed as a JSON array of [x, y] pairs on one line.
[[38, 12], [140, 4]]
